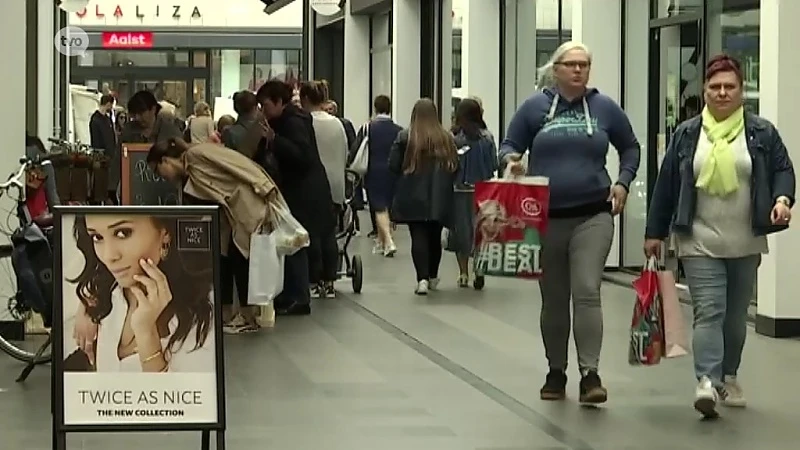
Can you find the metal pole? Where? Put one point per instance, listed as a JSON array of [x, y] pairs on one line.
[[56, 77]]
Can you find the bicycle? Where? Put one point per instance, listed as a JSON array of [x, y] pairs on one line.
[[31, 296]]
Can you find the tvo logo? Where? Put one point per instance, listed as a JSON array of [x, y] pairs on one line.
[[71, 41]]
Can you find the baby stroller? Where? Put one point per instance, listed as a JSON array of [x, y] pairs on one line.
[[349, 267]]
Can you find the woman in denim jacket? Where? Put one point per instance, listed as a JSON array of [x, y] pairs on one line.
[[725, 183]]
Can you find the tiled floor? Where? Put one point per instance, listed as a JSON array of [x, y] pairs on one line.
[[457, 370]]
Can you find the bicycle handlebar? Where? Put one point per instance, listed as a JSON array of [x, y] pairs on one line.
[[17, 180]]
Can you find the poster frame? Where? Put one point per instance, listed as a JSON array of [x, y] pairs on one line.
[[59, 425]]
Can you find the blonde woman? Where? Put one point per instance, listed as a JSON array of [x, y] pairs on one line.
[[201, 126], [425, 160], [567, 128]]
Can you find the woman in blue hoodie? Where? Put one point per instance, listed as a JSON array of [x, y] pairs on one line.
[[567, 128]]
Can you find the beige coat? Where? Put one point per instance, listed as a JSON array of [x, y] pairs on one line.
[[241, 187]]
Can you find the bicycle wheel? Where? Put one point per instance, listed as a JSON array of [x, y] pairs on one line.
[[23, 333]]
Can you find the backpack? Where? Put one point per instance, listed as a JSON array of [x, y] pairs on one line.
[[32, 260]]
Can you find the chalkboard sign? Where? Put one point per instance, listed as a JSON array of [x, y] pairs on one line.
[[139, 184]]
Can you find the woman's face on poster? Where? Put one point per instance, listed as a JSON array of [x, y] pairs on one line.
[[121, 242]]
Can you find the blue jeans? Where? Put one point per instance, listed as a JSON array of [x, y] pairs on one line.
[[721, 290]]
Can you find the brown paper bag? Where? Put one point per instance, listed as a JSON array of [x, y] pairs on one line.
[[676, 336]]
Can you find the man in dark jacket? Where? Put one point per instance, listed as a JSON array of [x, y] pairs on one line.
[[104, 137]]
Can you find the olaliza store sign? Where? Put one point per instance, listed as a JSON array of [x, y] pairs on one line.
[[156, 362], [141, 12], [127, 39]]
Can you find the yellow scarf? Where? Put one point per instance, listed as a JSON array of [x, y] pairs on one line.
[[718, 175]]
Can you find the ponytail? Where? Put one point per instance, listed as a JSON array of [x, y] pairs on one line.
[[545, 76]]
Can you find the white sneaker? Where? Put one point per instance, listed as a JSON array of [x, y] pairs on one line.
[[705, 398], [732, 393], [433, 283], [390, 250], [377, 249], [422, 288]]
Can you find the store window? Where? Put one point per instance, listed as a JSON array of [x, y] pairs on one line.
[[660, 9], [239, 69], [127, 58], [553, 27], [456, 61], [381, 54], [733, 28]]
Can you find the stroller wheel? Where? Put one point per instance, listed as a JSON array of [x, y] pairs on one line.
[[358, 274]]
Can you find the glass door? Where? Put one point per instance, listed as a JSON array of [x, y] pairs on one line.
[[676, 94], [173, 91]]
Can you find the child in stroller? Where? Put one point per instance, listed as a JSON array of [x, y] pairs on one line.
[[350, 267]]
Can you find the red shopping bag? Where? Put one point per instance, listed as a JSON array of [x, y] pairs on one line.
[[510, 222], [646, 346]]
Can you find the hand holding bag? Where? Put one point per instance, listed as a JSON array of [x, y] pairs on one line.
[[265, 271]]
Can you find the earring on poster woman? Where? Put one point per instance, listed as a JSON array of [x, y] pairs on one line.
[[165, 250]]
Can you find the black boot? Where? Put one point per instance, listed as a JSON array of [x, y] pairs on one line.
[[555, 386]]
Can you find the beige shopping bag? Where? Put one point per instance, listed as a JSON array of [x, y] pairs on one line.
[[676, 336]]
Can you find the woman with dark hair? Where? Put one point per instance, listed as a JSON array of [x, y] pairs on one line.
[[331, 141], [289, 147], [151, 300], [149, 122], [425, 160], [726, 182], [477, 159]]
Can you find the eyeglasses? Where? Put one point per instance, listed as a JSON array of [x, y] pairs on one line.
[[575, 64]]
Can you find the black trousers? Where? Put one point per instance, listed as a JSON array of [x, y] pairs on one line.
[[426, 248], [295, 281], [235, 268], [323, 255]]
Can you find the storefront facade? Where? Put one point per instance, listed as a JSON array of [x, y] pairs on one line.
[[186, 51]]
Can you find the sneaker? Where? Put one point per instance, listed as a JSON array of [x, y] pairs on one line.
[[705, 398], [330, 291], [592, 391], [236, 325], [433, 283], [463, 281], [390, 250], [372, 234], [317, 291], [555, 386], [479, 283], [732, 393], [422, 288], [377, 249]]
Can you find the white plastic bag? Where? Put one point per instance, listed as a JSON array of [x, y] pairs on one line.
[[361, 160], [289, 235], [265, 271]]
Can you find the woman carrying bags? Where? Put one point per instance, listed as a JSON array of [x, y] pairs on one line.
[[242, 188], [726, 182]]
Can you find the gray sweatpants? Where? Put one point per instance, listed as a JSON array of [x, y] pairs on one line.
[[574, 252]]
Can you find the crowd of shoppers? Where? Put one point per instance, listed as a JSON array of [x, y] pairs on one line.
[[725, 183]]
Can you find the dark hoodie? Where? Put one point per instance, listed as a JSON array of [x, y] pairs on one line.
[[568, 143]]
